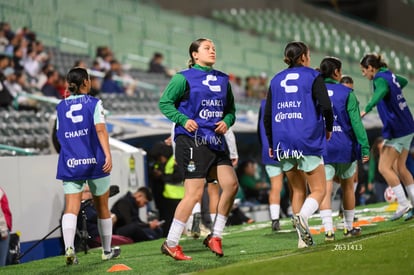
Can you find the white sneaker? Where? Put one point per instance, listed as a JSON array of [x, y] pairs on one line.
[[301, 243], [303, 229], [399, 213], [114, 253]]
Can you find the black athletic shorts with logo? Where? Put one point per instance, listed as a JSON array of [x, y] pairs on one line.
[[195, 161]]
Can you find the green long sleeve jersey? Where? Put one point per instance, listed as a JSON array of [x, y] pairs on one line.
[[382, 89], [352, 107], [176, 89]]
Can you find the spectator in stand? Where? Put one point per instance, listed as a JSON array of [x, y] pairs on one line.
[[128, 222], [111, 86], [156, 64], [127, 82], [34, 62], [104, 57], [236, 86], [19, 58], [252, 84], [95, 66], [39, 48], [95, 86], [4, 62], [262, 86], [61, 86], [50, 87], [6, 98], [3, 41], [5, 227], [80, 63], [41, 78], [7, 30], [18, 86], [9, 80]]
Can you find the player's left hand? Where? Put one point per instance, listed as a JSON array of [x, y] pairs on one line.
[[221, 127]]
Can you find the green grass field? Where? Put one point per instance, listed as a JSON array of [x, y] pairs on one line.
[[383, 248]]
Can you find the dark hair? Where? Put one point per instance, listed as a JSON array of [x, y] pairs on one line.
[[194, 48], [78, 63], [146, 191], [75, 78], [50, 73], [328, 66], [347, 79], [375, 60], [293, 52]]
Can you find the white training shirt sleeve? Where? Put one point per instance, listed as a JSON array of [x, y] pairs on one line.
[[231, 143], [99, 115], [172, 138]]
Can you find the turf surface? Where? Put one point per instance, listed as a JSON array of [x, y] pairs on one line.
[[383, 248]]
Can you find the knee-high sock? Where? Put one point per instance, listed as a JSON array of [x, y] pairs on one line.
[[105, 231], [326, 216], [176, 229], [274, 211], [219, 225], [69, 229]]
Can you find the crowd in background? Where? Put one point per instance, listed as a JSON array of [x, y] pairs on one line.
[[26, 65]]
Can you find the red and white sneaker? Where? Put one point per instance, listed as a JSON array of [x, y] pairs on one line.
[[214, 244], [174, 252]]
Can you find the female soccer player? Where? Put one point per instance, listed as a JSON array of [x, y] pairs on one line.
[[298, 120], [398, 130], [342, 149], [84, 157], [200, 101], [273, 170]]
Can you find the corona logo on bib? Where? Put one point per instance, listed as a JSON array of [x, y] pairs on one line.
[[389, 195]]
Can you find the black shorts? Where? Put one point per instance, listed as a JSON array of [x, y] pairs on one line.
[[195, 161]]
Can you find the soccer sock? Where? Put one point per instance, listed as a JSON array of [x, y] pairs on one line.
[[308, 208], [274, 211], [69, 229], [176, 229], [189, 223], [219, 225], [213, 217], [327, 222], [399, 193], [196, 208], [410, 191], [349, 218], [335, 188], [105, 231]]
